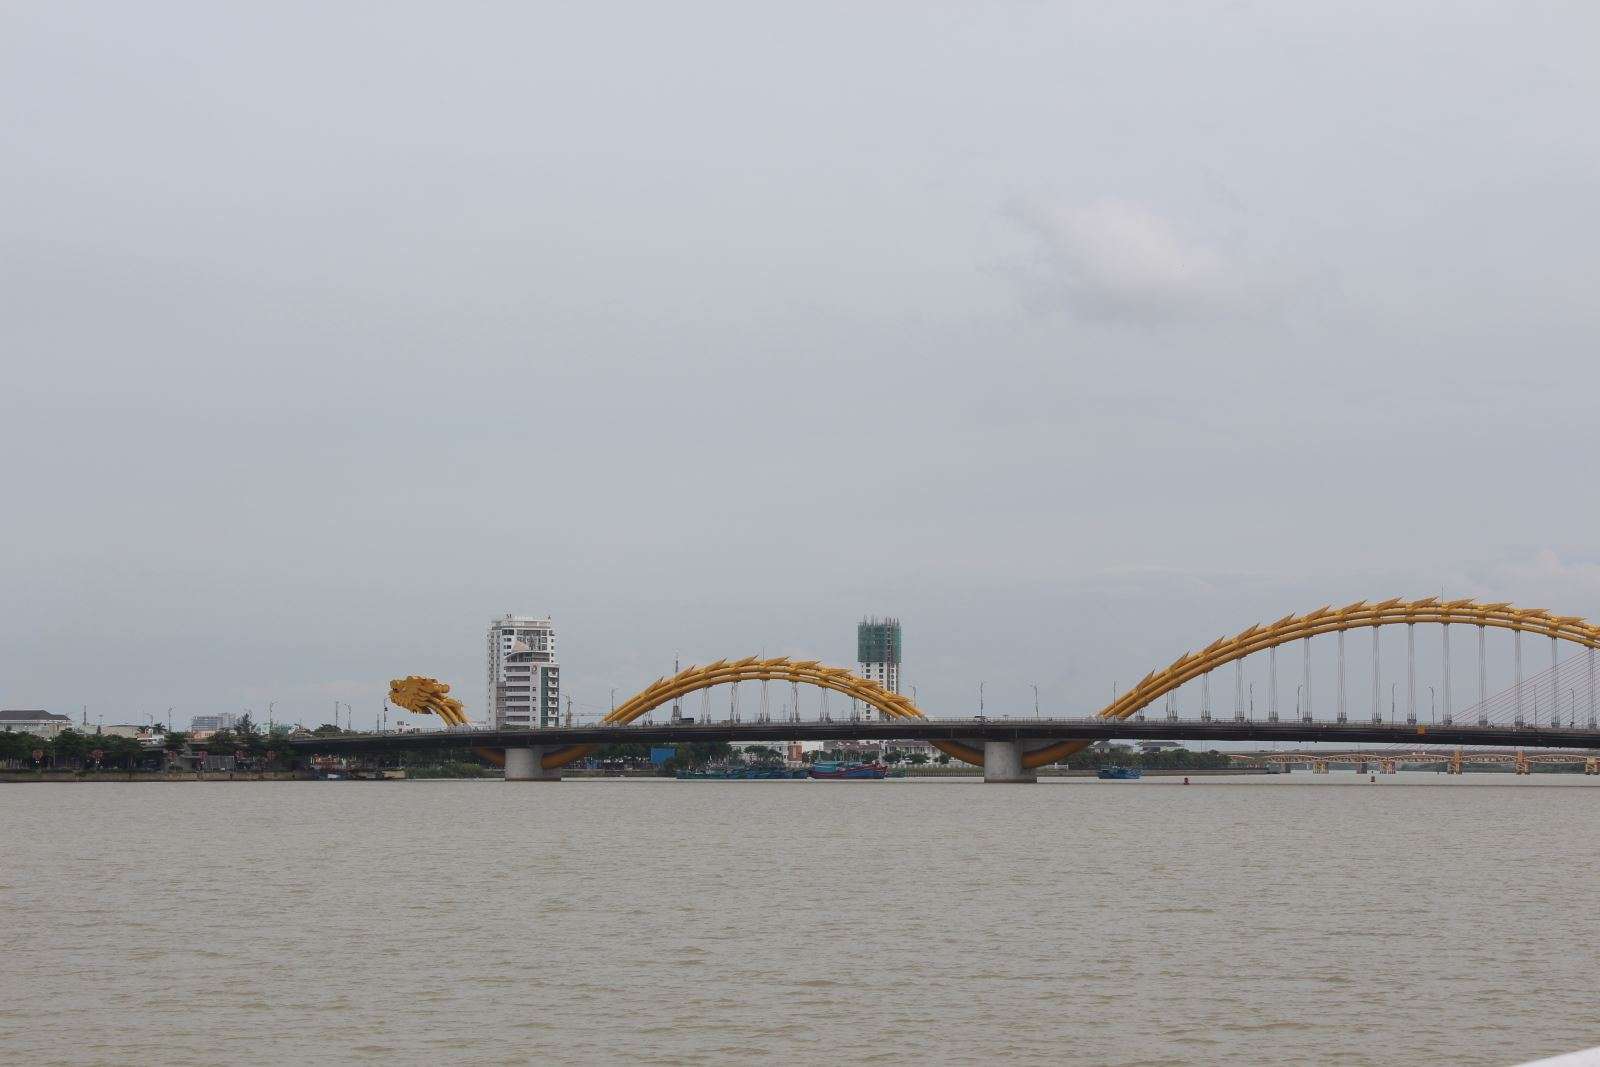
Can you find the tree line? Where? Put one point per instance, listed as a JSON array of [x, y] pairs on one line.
[[250, 746]]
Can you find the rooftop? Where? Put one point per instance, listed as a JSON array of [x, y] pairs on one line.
[[31, 716]]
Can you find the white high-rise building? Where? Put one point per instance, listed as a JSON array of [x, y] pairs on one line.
[[524, 679]]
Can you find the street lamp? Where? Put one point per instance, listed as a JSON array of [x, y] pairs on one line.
[[1393, 688], [1252, 701], [1035, 701], [1430, 705], [980, 697]]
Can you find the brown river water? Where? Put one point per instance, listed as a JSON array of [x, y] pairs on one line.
[[1298, 919]]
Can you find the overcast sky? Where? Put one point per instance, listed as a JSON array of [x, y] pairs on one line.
[[1075, 335]]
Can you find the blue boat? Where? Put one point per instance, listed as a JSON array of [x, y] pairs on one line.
[[760, 772], [1116, 773], [831, 771]]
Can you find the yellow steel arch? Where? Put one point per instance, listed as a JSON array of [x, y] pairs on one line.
[[1325, 620], [753, 669], [429, 696]]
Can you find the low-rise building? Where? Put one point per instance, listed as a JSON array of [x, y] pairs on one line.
[[125, 729], [225, 721], [911, 747], [789, 751], [38, 723]]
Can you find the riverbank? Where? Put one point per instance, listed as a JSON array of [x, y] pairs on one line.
[[20, 777]]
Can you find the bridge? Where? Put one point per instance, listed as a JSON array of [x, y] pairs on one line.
[[1388, 761], [1011, 750], [1015, 734]]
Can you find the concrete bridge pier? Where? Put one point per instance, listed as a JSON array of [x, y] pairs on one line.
[[1002, 762], [524, 765]]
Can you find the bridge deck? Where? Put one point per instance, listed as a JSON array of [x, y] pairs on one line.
[[974, 730]]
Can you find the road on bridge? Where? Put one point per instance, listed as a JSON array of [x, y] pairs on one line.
[[969, 730]]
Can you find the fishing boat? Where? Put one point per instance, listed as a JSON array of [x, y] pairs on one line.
[[832, 771], [1116, 773], [759, 772]]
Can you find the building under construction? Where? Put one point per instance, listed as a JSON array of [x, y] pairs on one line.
[[878, 652]]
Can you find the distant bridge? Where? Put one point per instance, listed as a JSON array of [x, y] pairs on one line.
[[1387, 761], [980, 733], [1011, 750]]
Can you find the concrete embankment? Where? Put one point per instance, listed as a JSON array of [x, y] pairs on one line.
[[19, 777], [1089, 772]]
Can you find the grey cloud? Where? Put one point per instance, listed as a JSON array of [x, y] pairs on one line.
[[1121, 261]]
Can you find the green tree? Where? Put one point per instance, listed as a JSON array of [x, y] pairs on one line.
[[19, 746], [174, 742], [126, 753], [327, 729], [280, 755], [249, 736], [630, 753], [69, 746], [692, 756]]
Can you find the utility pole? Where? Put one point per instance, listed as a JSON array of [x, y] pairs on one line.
[[677, 701]]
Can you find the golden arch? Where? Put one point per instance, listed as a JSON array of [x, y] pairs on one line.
[[755, 669], [429, 696], [1325, 620]]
